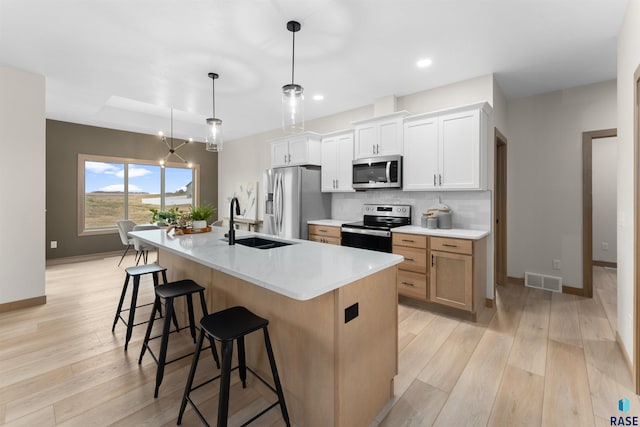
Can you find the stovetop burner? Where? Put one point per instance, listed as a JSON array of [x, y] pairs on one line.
[[383, 217]]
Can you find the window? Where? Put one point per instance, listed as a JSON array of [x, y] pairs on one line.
[[111, 189]]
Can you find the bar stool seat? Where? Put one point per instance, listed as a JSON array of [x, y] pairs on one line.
[[137, 272], [169, 292], [226, 326]]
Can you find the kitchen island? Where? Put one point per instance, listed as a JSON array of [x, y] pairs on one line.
[[332, 312]]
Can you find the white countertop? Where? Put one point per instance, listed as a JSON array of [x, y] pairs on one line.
[[329, 222], [456, 233], [302, 271]]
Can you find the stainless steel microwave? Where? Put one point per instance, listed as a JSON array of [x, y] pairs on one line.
[[377, 172]]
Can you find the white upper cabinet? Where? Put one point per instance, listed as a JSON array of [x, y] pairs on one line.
[[302, 149], [337, 160], [381, 136], [446, 150]]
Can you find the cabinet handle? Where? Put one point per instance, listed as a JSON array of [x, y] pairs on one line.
[[440, 178], [285, 158], [408, 283], [336, 183], [289, 158], [449, 245], [409, 259], [434, 179], [432, 260], [377, 149], [408, 240], [322, 230]]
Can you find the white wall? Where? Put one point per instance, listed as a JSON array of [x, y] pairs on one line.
[[544, 156], [246, 158], [22, 139], [628, 61], [604, 200]]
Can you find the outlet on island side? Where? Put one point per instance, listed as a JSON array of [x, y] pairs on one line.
[[54, 244], [556, 264]]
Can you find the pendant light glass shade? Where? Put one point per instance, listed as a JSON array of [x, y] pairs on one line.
[[214, 125], [214, 134], [293, 94]]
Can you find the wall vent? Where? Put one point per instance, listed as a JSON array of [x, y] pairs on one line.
[[542, 281]]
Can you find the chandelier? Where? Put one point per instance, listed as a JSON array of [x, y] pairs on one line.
[[172, 148]]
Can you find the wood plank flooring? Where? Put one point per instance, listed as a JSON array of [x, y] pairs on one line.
[[539, 359]]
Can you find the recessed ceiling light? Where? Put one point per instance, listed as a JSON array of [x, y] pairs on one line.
[[318, 97], [423, 63]]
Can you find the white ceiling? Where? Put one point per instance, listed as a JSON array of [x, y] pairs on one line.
[[123, 63]]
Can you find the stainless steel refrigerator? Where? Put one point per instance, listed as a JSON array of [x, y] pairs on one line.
[[293, 197]]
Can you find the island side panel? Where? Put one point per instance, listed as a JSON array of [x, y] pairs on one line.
[[367, 348], [302, 334]]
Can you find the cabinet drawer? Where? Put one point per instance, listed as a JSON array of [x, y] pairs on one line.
[[412, 240], [323, 230], [415, 259], [412, 284], [458, 246]]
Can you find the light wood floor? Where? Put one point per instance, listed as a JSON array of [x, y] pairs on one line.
[[541, 359]]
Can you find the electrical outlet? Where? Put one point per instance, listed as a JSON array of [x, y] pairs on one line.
[[54, 244], [604, 246], [556, 264]]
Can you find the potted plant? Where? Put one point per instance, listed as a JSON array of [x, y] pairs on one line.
[[201, 214], [165, 217]]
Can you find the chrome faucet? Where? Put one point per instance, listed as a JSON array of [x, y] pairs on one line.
[[232, 230]]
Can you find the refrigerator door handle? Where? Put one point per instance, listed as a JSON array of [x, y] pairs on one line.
[[279, 205]]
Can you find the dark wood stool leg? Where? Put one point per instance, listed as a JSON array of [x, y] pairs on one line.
[[203, 303], [225, 381], [192, 374], [147, 335], [242, 362], [192, 326], [163, 345], [156, 282], [276, 378], [122, 295], [175, 319], [132, 310]]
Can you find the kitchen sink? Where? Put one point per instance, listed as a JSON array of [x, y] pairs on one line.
[[261, 243]]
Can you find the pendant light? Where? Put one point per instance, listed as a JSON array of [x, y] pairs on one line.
[[293, 94], [214, 125]]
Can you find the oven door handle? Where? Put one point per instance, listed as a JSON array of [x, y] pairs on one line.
[[379, 233]]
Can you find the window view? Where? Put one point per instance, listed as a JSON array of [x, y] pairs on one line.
[[115, 190], [143, 191]]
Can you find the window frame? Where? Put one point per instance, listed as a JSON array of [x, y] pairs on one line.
[[125, 161]]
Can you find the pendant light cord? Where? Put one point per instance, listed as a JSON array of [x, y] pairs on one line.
[[293, 57], [213, 96], [171, 129]]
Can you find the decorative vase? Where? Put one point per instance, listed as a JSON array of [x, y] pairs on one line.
[[199, 224]]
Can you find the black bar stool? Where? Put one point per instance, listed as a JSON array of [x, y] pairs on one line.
[[226, 326], [169, 292], [136, 272]]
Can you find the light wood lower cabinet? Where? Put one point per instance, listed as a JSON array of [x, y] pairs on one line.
[[458, 273], [325, 234], [413, 275], [445, 271]]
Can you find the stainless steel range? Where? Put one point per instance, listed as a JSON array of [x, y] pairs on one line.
[[374, 231]]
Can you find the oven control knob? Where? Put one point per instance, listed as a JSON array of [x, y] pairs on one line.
[[404, 209]]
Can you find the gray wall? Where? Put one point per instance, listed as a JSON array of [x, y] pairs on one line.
[[64, 142]]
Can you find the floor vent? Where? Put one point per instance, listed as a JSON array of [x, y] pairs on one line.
[[542, 281]]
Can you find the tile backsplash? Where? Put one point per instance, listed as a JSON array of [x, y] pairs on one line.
[[471, 209]]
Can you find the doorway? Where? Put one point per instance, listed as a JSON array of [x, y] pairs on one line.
[[500, 240], [587, 206]]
